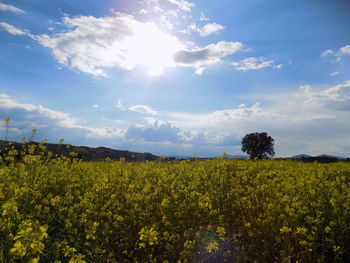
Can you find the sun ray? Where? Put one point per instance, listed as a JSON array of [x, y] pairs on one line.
[[153, 48]]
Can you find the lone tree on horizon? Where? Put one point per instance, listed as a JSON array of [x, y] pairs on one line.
[[258, 145]]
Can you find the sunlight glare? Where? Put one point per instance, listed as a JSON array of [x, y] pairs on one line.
[[153, 48]]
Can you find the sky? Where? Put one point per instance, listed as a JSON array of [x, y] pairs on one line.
[[177, 77]]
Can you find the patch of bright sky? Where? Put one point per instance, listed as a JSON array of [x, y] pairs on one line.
[[178, 77]]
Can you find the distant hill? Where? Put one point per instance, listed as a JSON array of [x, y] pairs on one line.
[[86, 153], [301, 156], [331, 156], [323, 158]]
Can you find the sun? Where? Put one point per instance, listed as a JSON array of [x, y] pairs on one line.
[[152, 48]]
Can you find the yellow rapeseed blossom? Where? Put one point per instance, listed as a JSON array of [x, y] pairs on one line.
[[148, 236], [57, 209], [285, 230], [212, 246]]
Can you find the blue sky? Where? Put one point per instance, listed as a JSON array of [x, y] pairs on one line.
[[178, 77]]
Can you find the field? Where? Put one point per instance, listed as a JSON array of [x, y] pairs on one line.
[[66, 210]]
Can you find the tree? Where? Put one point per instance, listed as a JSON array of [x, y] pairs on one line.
[[258, 145]]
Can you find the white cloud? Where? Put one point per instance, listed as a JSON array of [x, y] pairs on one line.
[[327, 52], [10, 8], [166, 14], [95, 106], [310, 120], [299, 120], [279, 66], [120, 105], [203, 17], [11, 29], [242, 112], [334, 73], [144, 109], [199, 71], [191, 28], [166, 133], [206, 30], [183, 5], [241, 119], [336, 97], [252, 63], [93, 44], [143, 11], [211, 54], [344, 51], [103, 132], [57, 118], [154, 132], [210, 28], [154, 135]]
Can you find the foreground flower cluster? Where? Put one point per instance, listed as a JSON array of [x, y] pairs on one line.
[[66, 210]]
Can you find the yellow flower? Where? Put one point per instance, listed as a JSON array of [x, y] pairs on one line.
[[285, 230], [149, 235], [301, 230], [221, 232], [247, 225], [327, 229], [212, 246]]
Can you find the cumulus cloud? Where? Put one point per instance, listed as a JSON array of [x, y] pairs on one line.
[[156, 131], [11, 29], [343, 51], [144, 109], [211, 54], [10, 8], [336, 97], [210, 28], [190, 28], [252, 63], [41, 114], [299, 119], [93, 44], [242, 112], [204, 31], [183, 5], [164, 132], [165, 13], [291, 118]]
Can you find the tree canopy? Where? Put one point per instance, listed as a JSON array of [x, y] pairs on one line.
[[258, 145]]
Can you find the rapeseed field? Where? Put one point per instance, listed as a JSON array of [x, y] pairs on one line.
[[67, 210]]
